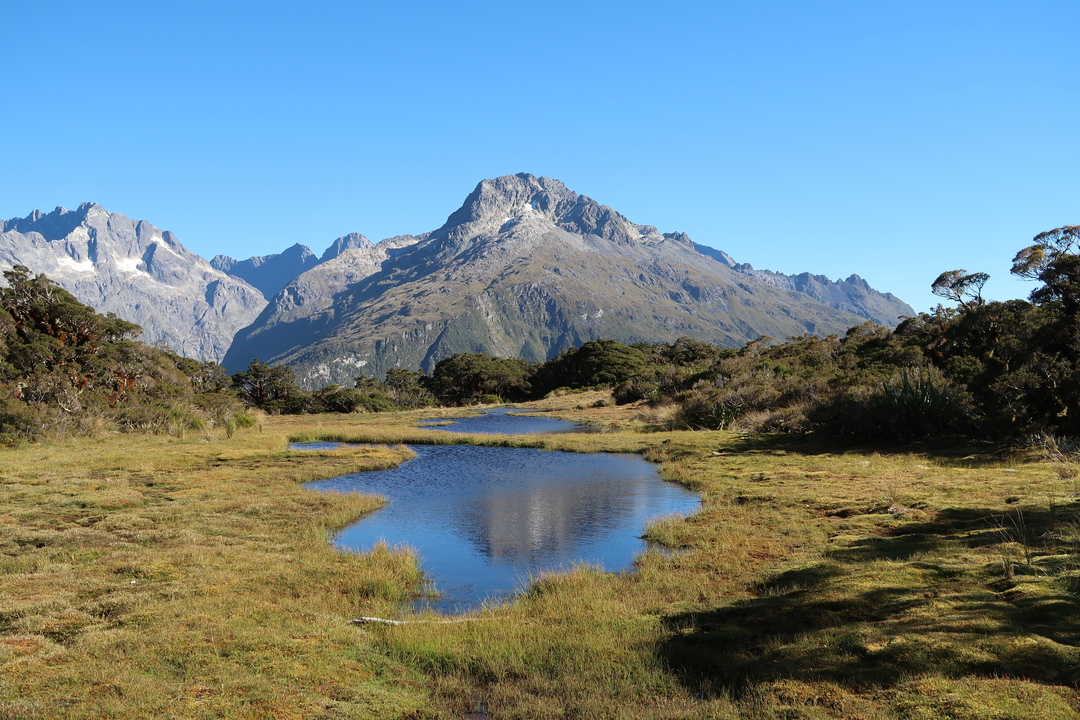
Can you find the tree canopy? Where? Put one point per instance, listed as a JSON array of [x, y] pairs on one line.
[[467, 378], [65, 368]]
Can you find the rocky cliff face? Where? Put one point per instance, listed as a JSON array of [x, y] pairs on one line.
[[525, 268], [268, 273], [343, 243], [302, 305], [852, 295], [140, 273]]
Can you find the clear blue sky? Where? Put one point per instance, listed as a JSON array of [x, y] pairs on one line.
[[892, 140]]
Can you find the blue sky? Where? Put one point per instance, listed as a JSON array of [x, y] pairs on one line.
[[892, 140]]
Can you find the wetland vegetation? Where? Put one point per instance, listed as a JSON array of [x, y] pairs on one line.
[[199, 581], [485, 519]]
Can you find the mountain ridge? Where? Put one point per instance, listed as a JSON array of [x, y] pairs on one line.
[[526, 267], [138, 272]]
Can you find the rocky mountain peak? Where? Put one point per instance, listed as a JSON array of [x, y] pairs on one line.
[[522, 202], [91, 208], [498, 201], [268, 273], [857, 281], [52, 226], [527, 268], [129, 267], [345, 242]]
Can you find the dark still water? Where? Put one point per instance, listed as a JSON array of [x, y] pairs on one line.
[[483, 519], [501, 421]]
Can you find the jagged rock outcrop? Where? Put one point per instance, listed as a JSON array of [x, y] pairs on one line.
[[718, 255], [312, 292], [853, 295], [525, 268], [343, 243], [140, 273], [269, 273]]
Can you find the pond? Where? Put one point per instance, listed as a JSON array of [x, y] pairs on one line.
[[484, 520], [500, 421]]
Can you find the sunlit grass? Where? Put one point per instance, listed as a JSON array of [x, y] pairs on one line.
[[165, 577], [156, 577]]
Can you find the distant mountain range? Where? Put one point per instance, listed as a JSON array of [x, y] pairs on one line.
[[140, 273], [525, 268]]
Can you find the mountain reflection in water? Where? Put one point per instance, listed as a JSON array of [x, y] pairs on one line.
[[499, 420], [483, 519]]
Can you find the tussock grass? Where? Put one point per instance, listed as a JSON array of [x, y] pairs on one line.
[[815, 582], [165, 577], [174, 577]]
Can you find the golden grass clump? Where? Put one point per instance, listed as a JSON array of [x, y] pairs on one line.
[[178, 577], [157, 577]]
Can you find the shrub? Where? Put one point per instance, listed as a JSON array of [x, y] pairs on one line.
[[635, 389], [918, 404], [157, 419], [596, 363], [376, 402], [715, 410], [19, 420]]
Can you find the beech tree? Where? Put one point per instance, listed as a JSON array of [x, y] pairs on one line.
[[464, 378], [597, 362], [958, 286], [267, 387], [1052, 261]]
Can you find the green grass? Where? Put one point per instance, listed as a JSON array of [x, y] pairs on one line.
[[164, 577]]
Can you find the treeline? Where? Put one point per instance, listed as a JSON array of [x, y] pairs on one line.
[[462, 379]]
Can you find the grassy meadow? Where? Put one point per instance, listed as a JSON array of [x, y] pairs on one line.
[[192, 577]]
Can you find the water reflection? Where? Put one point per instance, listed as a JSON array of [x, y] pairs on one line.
[[483, 519], [500, 421]]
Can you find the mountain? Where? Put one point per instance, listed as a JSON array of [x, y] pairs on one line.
[[312, 292], [140, 273], [346, 242], [269, 273], [527, 268], [852, 295], [718, 255]]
